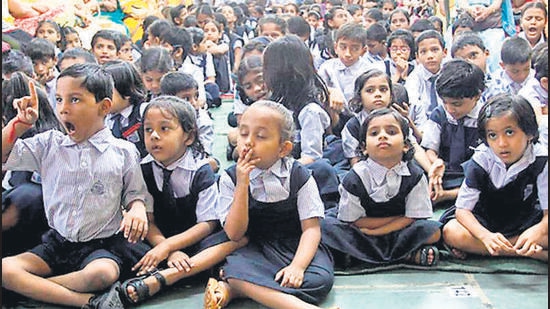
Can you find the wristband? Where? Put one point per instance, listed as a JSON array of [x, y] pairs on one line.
[[12, 136]]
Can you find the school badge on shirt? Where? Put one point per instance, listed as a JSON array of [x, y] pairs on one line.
[[98, 188]]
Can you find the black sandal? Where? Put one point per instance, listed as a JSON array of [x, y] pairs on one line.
[[140, 287], [420, 256]]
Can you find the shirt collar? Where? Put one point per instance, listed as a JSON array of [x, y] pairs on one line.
[[100, 140], [125, 112], [424, 73], [280, 169], [186, 162], [379, 172]]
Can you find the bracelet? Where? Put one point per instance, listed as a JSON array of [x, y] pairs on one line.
[[12, 136]]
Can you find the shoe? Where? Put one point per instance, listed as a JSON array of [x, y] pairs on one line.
[[108, 300], [420, 256], [216, 295]]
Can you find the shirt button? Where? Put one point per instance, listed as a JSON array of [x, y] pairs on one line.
[[83, 164]]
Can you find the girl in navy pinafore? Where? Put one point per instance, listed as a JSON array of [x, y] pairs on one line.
[[273, 201], [382, 214]]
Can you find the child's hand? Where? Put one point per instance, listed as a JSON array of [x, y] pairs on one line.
[[180, 260], [134, 223], [336, 100], [403, 109], [435, 179], [402, 66], [292, 276], [245, 165], [151, 259], [27, 106], [496, 244], [526, 244]]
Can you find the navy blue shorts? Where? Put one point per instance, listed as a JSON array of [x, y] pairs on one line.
[[63, 256]]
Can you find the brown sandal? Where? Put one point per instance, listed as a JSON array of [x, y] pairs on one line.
[[216, 295]]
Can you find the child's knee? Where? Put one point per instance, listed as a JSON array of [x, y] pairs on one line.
[[101, 274]]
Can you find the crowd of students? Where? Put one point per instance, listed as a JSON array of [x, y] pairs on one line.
[[351, 123]]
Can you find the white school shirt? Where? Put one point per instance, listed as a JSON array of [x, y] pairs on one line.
[[84, 185], [501, 176], [534, 93], [273, 185], [314, 120], [205, 125], [418, 88], [378, 181], [188, 67], [183, 173]]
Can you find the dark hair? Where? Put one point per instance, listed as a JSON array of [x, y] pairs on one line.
[[375, 13], [468, 38], [156, 59], [247, 65], [15, 60], [352, 8], [541, 64], [17, 86], [459, 78], [205, 9], [190, 21], [185, 114], [95, 79], [536, 5], [463, 21], [377, 32], [272, 19], [158, 27], [520, 109], [173, 82], [515, 50], [196, 34], [403, 124], [75, 53], [352, 32], [178, 38], [436, 20], [400, 11], [290, 75], [175, 11], [38, 49], [107, 34], [127, 80], [407, 37], [430, 34], [256, 44], [421, 25], [66, 30], [314, 13], [329, 15], [356, 103], [299, 26], [399, 94], [54, 24]]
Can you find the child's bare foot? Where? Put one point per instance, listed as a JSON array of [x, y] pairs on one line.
[[456, 253], [138, 289]]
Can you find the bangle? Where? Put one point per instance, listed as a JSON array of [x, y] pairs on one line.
[[12, 136]]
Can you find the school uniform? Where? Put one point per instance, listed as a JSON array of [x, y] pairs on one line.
[[101, 173], [423, 97], [198, 75], [193, 197], [505, 200], [391, 69], [127, 125], [205, 124], [502, 83], [534, 93], [279, 199], [453, 140], [372, 190]]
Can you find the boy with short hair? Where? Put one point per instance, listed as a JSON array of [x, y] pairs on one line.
[[106, 45], [450, 134], [88, 178], [420, 85], [515, 66], [376, 44], [73, 56], [44, 58]]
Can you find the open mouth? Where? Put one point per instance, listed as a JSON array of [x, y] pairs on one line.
[[70, 127]]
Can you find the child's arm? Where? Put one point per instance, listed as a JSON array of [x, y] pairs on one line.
[[493, 242], [134, 221], [236, 222], [292, 276], [531, 241], [27, 115], [395, 224]]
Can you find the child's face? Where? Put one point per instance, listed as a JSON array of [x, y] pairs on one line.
[[358, 17], [506, 138], [473, 54], [340, 17], [349, 51], [151, 80], [77, 109], [532, 24], [399, 50], [165, 139], [229, 14], [368, 21], [517, 72], [430, 54], [387, 8], [385, 143], [43, 67], [202, 19], [125, 52], [290, 9], [72, 40], [458, 108], [104, 50], [271, 30], [48, 32], [313, 21], [190, 95], [259, 133], [375, 93], [398, 21], [211, 32], [254, 85], [376, 47]]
